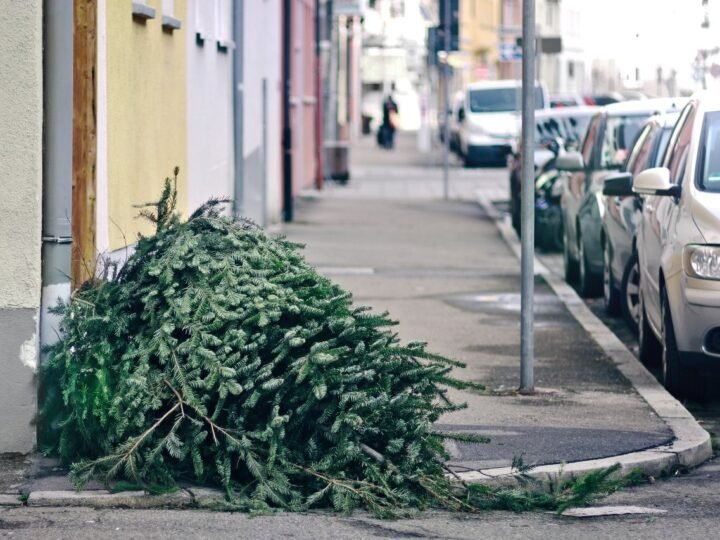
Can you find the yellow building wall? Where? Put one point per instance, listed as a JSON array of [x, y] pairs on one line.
[[146, 115], [479, 34]]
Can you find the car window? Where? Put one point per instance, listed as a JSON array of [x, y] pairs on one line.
[[710, 153], [677, 154], [590, 138], [659, 157], [620, 131], [487, 100], [639, 150]]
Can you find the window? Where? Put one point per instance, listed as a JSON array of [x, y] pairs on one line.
[[141, 11], [223, 25], [680, 145], [640, 151], [169, 21], [500, 99], [590, 139], [620, 132], [710, 153]]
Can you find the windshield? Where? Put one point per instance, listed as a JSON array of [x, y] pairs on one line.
[[568, 128], [710, 153], [500, 100], [620, 132]]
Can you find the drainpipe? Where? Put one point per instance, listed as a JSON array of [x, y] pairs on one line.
[[238, 108], [287, 129], [57, 162], [319, 16]]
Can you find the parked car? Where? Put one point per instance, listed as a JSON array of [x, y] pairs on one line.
[[556, 130], [489, 120], [604, 99], [566, 100], [679, 250], [603, 152], [622, 210]]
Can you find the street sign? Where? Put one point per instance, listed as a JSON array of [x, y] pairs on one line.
[[510, 52], [454, 25]]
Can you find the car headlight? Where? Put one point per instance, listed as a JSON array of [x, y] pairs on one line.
[[702, 262]]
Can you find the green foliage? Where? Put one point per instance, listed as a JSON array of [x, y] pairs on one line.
[[566, 493], [217, 355]]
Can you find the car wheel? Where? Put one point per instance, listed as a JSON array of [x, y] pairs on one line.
[[569, 264], [630, 294], [673, 377], [587, 281], [610, 292], [649, 346]]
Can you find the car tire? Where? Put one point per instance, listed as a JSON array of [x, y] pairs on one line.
[[588, 283], [648, 345], [630, 294], [674, 378], [611, 295], [569, 264]]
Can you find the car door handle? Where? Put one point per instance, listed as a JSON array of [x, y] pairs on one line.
[[650, 208]]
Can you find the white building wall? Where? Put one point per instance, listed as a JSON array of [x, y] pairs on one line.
[[262, 142], [575, 66], [209, 101], [21, 121]]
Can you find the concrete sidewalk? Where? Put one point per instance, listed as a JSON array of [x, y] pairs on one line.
[[443, 271]]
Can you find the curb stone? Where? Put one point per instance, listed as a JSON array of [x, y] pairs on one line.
[[10, 499], [105, 499], [691, 445]]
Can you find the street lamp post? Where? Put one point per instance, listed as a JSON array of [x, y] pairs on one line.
[[527, 337]]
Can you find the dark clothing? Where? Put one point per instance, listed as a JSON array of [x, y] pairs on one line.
[[386, 133], [389, 106]]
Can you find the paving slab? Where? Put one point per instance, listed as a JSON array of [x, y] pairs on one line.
[[443, 271]]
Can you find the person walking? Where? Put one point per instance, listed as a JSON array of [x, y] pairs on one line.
[[389, 123]]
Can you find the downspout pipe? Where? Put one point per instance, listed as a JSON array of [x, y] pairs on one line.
[[239, 108], [319, 172], [286, 127], [57, 162]]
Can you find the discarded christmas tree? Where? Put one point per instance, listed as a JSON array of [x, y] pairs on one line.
[[217, 355]]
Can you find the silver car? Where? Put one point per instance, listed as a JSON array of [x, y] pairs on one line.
[[678, 241]]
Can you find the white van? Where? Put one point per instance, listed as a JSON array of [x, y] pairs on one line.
[[490, 120]]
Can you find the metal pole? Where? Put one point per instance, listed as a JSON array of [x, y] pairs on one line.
[[239, 110], [446, 102], [527, 338], [287, 131]]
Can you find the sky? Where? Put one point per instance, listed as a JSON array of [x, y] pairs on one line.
[[649, 33]]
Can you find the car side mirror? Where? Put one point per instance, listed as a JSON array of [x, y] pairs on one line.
[[618, 185], [570, 161], [656, 181], [461, 115]]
